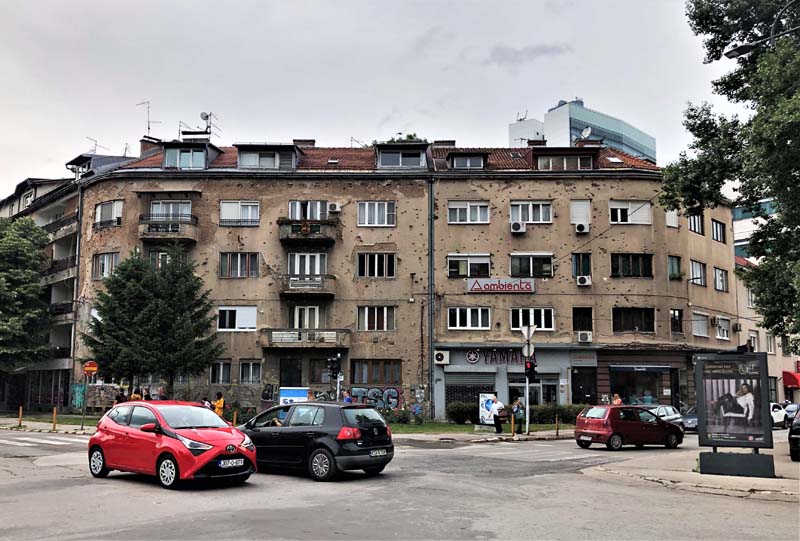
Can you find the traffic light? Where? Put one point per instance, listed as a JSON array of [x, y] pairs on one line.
[[333, 367], [530, 367]]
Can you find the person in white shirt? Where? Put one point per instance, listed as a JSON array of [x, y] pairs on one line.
[[746, 401], [497, 407]]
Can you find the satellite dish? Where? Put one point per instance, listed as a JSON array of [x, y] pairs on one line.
[[204, 116], [587, 131]]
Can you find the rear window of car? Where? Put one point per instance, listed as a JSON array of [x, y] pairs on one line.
[[363, 416], [791, 407], [596, 413]]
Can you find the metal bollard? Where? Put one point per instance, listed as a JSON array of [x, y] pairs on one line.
[[235, 412], [55, 414], [20, 417]]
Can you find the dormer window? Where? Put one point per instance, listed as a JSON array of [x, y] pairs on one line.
[[402, 159], [467, 162], [564, 163], [259, 160], [185, 158], [27, 199]]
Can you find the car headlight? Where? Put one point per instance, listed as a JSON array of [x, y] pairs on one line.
[[194, 445], [247, 443]]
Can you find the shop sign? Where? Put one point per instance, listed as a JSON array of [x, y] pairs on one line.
[[496, 356], [500, 285], [583, 358], [667, 391]]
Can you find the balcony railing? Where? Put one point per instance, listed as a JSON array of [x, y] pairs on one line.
[[59, 352], [59, 265], [316, 285], [58, 308], [238, 223], [307, 231], [168, 219], [116, 222], [294, 338], [168, 226], [61, 222]]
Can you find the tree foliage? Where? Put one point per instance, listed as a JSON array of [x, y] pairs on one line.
[[761, 154], [23, 311], [154, 321]]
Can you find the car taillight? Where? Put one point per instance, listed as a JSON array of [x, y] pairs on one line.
[[389, 431], [349, 433]]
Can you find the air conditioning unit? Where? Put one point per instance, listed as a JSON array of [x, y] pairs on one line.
[[583, 280], [334, 207], [519, 228], [737, 327], [582, 229], [585, 337], [441, 357]]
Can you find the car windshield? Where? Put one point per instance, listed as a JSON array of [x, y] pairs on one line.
[[595, 413], [190, 417], [791, 407], [691, 411], [363, 416]]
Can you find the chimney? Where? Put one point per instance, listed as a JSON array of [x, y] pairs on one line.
[[537, 142], [149, 146], [304, 142], [445, 143]]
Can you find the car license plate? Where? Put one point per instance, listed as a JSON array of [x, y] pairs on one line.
[[377, 452], [586, 438], [231, 463]]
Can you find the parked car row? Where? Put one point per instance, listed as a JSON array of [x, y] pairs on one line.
[[178, 441]]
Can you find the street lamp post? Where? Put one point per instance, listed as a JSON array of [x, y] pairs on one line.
[[747, 48]]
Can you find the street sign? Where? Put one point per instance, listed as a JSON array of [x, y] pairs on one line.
[[527, 350], [527, 331], [90, 368]]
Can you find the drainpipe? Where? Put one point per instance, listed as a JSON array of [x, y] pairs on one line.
[[431, 291], [75, 293]]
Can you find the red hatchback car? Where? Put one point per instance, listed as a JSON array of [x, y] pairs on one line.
[[172, 440], [624, 425]]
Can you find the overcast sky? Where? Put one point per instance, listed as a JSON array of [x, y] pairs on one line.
[[332, 70]]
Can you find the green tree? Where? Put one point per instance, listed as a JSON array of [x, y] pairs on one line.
[[23, 311], [760, 154]]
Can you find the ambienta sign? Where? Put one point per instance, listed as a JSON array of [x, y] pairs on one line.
[[499, 285]]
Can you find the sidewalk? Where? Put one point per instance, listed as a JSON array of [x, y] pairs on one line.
[[675, 469], [35, 426], [485, 437]]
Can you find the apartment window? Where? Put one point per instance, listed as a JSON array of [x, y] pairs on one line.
[[103, 265], [785, 346], [468, 162], [771, 344], [720, 279], [377, 214], [629, 212], [376, 265], [581, 318], [634, 319], [158, 259], [581, 264], [723, 328], [468, 318], [259, 160], [468, 266], [185, 158], [376, 318], [751, 298], [631, 265], [306, 317], [108, 214], [672, 218], [698, 273], [752, 340], [536, 265], [27, 199], [674, 267], [741, 248], [168, 210], [718, 231], [221, 373], [773, 389], [238, 213], [532, 212], [402, 159], [580, 211], [237, 318], [696, 224], [250, 372], [541, 317], [310, 264], [676, 321], [699, 324], [318, 371], [238, 265], [467, 212], [309, 210], [375, 371], [564, 163]]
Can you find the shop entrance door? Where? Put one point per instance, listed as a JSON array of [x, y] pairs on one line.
[[517, 390], [291, 373]]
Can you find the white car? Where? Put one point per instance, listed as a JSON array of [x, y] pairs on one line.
[[779, 416]]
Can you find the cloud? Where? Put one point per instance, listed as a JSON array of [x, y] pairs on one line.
[[510, 57], [429, 39]]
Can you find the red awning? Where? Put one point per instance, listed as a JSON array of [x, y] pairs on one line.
[[791, 379]]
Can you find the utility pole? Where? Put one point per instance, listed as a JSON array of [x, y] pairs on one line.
[[530, 369]]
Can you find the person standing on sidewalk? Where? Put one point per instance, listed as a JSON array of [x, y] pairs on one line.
[[518, 410], [219, 405], [497, 407]]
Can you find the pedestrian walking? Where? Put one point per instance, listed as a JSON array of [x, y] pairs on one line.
[[146, 394], [617, 400], [119, 399], [162, 394], [497, 407], [219, 404], [518, 411], [136, 394], [346, 398], [206, 403]]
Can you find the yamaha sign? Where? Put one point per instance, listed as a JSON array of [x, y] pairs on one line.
[[500, 285]]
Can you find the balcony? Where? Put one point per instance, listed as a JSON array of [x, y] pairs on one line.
[[64, 221], [305, 338], [59, 308], [59, 352], [60, 269], [317, 286], [160, 227], [317, 232]]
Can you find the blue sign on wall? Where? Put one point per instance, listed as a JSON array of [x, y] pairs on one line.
[[289, 395]]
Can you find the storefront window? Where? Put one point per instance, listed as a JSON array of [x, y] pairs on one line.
[[636, 387]]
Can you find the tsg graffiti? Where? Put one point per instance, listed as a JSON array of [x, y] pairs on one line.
[[380, 397]]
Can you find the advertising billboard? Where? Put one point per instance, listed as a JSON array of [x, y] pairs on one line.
[[485, 408], [733, 400]]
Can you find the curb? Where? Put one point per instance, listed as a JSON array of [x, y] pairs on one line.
[[77, 431]]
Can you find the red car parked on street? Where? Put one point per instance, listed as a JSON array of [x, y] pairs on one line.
[[172, 440], [624, 425]]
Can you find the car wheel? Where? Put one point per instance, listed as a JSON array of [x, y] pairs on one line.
[[672, 441], [795, 454], [167, 472], [375, 470], [97, 463], [583, 444], [614, 442], [321, 466]]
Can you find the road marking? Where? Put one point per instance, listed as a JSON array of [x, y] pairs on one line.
[[16, 443], [39, 440], [573, 457], [70, 440]]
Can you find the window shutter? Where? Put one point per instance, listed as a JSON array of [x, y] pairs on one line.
[[229, 210], [246, 316], [640, 212], [672, 218], [580, 212]]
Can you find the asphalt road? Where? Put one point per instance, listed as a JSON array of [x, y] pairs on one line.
[[525, 490]]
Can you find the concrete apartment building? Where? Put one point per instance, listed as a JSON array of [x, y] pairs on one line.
[[316, 253]]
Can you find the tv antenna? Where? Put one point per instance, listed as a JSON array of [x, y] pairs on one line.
[[211, 127], [523, 117], [125, 149], [96, 145], [147, 103], [362, 144]]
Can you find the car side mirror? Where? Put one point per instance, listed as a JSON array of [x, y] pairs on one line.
[[149, 427]]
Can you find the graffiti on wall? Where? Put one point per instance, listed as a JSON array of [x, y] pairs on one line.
[[380, 397]]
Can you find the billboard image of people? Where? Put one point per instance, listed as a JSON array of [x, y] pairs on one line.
[[485, 408], [733, 400]]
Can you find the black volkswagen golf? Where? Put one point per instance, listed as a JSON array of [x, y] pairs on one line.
[[322, 437]]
